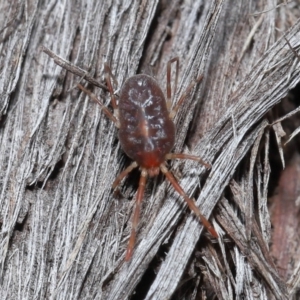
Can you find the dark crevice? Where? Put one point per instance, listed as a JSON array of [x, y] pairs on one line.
[[146, 281], [52, 176], [3, 117], [160, 13], [187, 283], [56, 170], [20, 226], [38, 184], [11, 105], [291, 102], [149, 276], [152, 28]]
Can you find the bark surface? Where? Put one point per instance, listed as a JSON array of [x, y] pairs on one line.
[[64, 232]]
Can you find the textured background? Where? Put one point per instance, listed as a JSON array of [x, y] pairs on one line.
[[63, 231]]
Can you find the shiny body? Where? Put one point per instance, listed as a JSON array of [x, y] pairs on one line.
[[147, 132]]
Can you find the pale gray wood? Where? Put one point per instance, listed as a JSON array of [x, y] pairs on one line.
[[64, 233]]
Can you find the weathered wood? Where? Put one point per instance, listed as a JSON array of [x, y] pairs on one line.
[[63, 231]]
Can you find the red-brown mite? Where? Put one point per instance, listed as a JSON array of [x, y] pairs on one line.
[[147, 135]]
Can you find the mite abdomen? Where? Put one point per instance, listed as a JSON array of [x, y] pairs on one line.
[[146, 133]]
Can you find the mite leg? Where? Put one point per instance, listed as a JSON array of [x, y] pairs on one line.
[[187, 156], [103, 107], [182, 98], [136, 215], [123, 174], [190, 202], [169, 92], [108, 75]]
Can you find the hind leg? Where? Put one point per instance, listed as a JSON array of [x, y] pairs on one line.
[[187, 156], [190, 202], [136, 215]]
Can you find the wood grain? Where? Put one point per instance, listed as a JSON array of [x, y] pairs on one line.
[[63, 231]]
